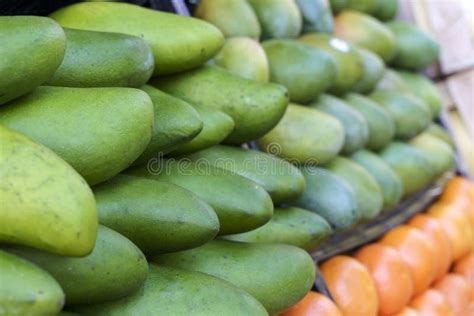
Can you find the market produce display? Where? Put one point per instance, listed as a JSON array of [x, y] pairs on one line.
[[158, 164]]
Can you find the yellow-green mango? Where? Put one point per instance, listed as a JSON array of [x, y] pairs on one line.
[[102, 59], [278, 18], [310, 72], [317, 15], [98, 131], [156, 216], [367, 6], [356, 128], [290, 225], [367, 191], [391, 80], [284, 184], [114, 269], [25, 289], [233, 17], [255, 107], [415, 49], [170, 291], [437, 152], [363, 30], [31, 51], [349, 65], [45, 203], [410, 114], [244, 57], [178, 43], [385, 9], [240, 204], [176, 122], [373, 70], [258, 269], [380, 122], [438, 131], [304, 136]]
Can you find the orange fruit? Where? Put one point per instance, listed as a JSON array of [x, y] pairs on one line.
[[456, 226], [416, 251], [465, 267], [351, 286], [407, 311], [457, 292], [431, 227], [459, 188], [391, 276], [431, 303], [313, 304]]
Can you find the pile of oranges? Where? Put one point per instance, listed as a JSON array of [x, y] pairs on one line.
[[424, 267]]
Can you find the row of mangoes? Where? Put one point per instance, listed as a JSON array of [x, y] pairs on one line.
[[89, 222]]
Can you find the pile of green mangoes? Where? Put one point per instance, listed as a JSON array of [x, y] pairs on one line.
[[156, 164]]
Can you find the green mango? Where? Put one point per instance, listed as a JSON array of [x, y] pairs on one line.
[[278, 18], [438, 131], [156, 216], [338, 5], [169, 291], [385, 9], [387, 179], [255, 107], [216, 127], [258, 269], [363, 30], [45, 203], [349, 65], [310, 72], [304, 136], [240, 204], [98, 131], [176, 122], [100, 59], [374, 68], [26, 289], [178, 42], [380, 122], [114, 269], [356, 128], [391, 80], [244, 57], [233, 17], [415, 49], [410, 114], [316, 14], [32, 49], [293, 226], [424, 89], [284, 182], [437, 152], [329, 196], [366, 6], [367, 191], [410, 164]]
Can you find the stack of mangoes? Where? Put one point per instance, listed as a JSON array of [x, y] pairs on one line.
[[156, 164]]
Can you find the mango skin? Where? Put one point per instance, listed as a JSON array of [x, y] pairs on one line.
[[101, 59], [391, 80], [304, 136], [437, 152], [329, 196], [158, 217], [277, 275], [98, 131], [176, 122], [26, 289], [170, 291], [234, 18], [374, 68], [291, 225], [284, 185], [255, 107], [316, 14], [240, 204], [45, 42], [47, 205], [356, 128], [438, 131], [380, 123], [278, 18], [310, 72], [114, 269], [178, 43], [388, 180], [367, 191]]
